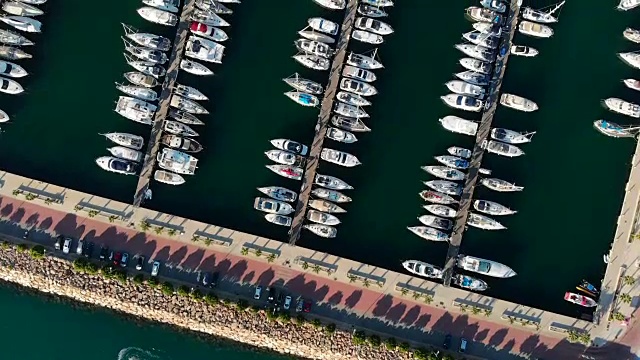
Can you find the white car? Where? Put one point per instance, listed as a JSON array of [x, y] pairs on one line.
[[258, 293], [67, 245], [287, 302], [155, 269], [79, 247]]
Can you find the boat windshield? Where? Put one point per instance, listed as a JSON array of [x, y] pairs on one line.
[[484, 266]]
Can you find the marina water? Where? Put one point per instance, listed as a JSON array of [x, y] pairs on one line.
[[573, 176]]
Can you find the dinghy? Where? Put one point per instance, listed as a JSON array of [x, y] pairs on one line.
[[331, 195]]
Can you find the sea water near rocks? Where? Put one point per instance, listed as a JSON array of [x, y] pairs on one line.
[[574, 176]]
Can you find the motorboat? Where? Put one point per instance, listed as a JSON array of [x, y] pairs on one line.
[[423, 269], [290, 145], [158, 16], [632, 84], [187, 105], [189, 92], [470, 283], [228, 1], [324, 231], [332, 4], [436, 222], [445, 172], [129, 140], [181, 143], [272, 206], [581, 300], [152, 41], [208, 17], [322, 218], [313, 61], [168, 177], [12, 70], [476, 65], [284, 157], [500, 185], [367, 37], [194, 67], [518, 102], [510, 136], [632, 35], [213, 6], [540, 16], [349, 124], [371, 11], [316, 36], [303, 98], [463, 102], [21, 9], [323, 25], [473, 77], [145, 54], [141, 79], [501, 148], [494, 5], [331, 195], [625, 5], [428, 233], [483, 222], [326, 206], [349, 110], [373, 26], [290, 172], [488, 28], [464, 88], [135, 109], [126, 153], [492, 208], [12, 38], [12, 53], [364, 61], [480, 14], [534, 29], [623, 107], [631, 58], [352, 99], [476, 51], [459, 125], [304, 85], [177, 161], [460, 152], [278, 219], [314, 47], [166, 5], [485, 267], [146, 67], [342, 136], [204, 49], [184, 117], [339, 157], [358, 73], [441, 210], [331, 182], [453, 161], [521, 50], [22, 23], [113, 164], [588, 288], [378, 3], [445, 186], [178, 128], [208, 31], [357, 87], [279, 193], [482, 39], [437, 197], [614, 130], [140, 92], [4, 117]]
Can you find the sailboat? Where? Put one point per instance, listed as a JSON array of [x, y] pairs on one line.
[[614, 130], [541, 16], [628, 4]]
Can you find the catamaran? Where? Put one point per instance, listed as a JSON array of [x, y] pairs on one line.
[[136, 109], [542, 16], [614, 130], [623, 107], [459, 125]]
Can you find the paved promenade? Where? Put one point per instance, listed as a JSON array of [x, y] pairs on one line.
[[342, 289]]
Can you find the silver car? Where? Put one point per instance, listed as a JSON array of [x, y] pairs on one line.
[[156, 268], [79, 248], [67, 245]]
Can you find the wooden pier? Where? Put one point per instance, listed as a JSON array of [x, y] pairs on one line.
[[153, 145], [323, 121], [484, 128]]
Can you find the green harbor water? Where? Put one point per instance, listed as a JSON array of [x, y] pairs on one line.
[[573, 176]]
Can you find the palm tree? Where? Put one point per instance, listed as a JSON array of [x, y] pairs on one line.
[[475, 310], [316, 268], [172, 231], [416, 295], [244, 251], [159, 229], [404, 291], [626, 298], [144, 225], [258, 253], [195, 238], [305, 265], [629, 280], [366, 283], [271, 258], [487, 312], [428, 299], [352, 278]]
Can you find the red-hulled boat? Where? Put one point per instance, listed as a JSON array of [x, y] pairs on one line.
[[579, 299], [208, 31]]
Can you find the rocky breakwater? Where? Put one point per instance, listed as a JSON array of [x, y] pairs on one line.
[[218, 318]]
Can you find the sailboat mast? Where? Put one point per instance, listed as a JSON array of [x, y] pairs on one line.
[[558, 6]]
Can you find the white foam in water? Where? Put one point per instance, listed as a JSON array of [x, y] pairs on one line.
[[134, 353]]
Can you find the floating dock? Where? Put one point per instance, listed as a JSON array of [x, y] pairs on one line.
[[466, 199], [323, 121], [153, 145]]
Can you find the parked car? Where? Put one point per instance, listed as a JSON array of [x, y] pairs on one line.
[[155, 269], [80, 247], [447, 342], [125, 260], [67, 245], [104, 251], [116, 258], [280, 298], [88, 249], [140, 262], [58, 243], [258, 294], [300, 305], [214, 279], [463, 345], [206, 278], [111, 253], [287, 302], [307, 306], [270, 294]]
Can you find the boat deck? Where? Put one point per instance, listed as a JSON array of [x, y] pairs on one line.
[[153, 145], [323, 121], [484, 129]]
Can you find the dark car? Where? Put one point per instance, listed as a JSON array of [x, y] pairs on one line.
[[88, 249], [116, 258], [140, 263], [280, 298], [300, 305], [59, 241], [104, 251], [124, 261], [447, 342], [214, 279], [307, 306], [270, 294]]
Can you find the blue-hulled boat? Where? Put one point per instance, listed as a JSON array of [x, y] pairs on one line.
[[303, 98], [614, 130]]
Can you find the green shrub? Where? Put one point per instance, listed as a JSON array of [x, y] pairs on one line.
[[211, 299], [284, 317], [404, 346], [359, 337], [22, 247], [242, 304], [254, 309], [390, 343], [316, 323], [330, 328], [138, 279], [271, 315], [300, 319], [167, 288], [5, 245], [196, 294], [183, 290], [120, 275], [37, 252], [152, 281], [374, 340], [422, 354]]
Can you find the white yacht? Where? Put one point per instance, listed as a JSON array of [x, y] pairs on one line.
[[482, 39], [342, 136], [520, 50], [326, 206], [146, 67], [141, 79], [204, 49], [145, 54], [290, 145], [476, 51], [510, 136], [483, 222], [625, 5], [367, 37], [631, 58], [473, 77], [612, 129], [476, 65], [129, 140], [371, 11], [272, 206], [357, 87], [279, 193], [441, 210], [632, 84], [331, 182], [623, 107], [358, 73], [136, 110], [488, 28], [21, 9], [187, 105], [332, 4], [126, 153], [349, 110], [316, 36], [428, 233], [364, 61], [331, 195], [464, 88], [168, 177], [486, 267], [283, 157], [339, 158], [445, 172], [177, 161], [208, 18], [140, 92], [166, 5], [500, 185], [324, 231], [158, 16], [113, 164], [322, 218], [323, 25], [304, 85], [13, 53], [540, 16], [453, 161], [501, 148], [353, 99], [152, 41], [313, 61], [181, 143], [22, 23], [373, 25], [278, 219], [423, 269], [189, 92], [492, 208], [9, 86], [632, 35], [350, 124], [481, 14], [460, 152], [518, 102], [12, 38], [314, 47], [445, 186], [178, 128], [184, 117], [215, 6], [208, 31], [462, 102], [194, 67], [303, 98], [436, 222], [459, 125], [535, 29]]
